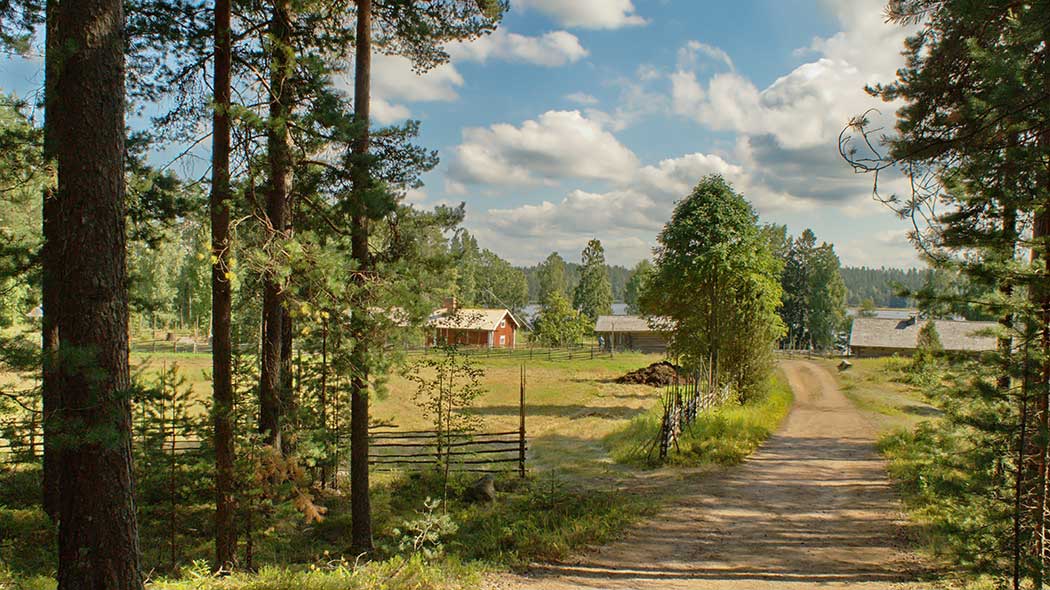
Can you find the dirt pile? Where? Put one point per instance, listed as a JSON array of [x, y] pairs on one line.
[[657, 375]]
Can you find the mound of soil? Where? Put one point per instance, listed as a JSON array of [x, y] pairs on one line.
[[657, 375]]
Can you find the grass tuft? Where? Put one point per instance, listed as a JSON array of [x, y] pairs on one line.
[[724, 436]]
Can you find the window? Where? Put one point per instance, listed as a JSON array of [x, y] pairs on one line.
[[503, 323], [502, 341]]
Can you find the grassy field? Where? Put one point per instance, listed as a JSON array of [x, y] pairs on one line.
[[580, 490], [890, 405]]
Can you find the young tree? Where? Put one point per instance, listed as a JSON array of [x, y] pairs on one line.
[[557, 323], [718, 284], [98, 533], [593, 294]]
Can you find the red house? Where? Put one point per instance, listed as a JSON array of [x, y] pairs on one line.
[[494, 328]]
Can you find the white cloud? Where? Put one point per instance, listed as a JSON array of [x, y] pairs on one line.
[[630, 214], [788, 131], [385, 112], [587, 14], [557, 145], [689, 55], [581, 98], [393, 79], [555, 48], [885, 248]]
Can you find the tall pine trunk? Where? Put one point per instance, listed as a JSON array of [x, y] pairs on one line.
[[50, 275], [98, 541], [360, 503], [279, 148], [221, 297]]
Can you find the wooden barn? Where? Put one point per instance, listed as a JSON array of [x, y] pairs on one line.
[[630, 332], [885, 337], [494, 328]]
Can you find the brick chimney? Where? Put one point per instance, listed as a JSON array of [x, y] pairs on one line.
[[450, 304]]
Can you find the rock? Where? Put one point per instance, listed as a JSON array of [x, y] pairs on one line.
[[845, 365], [483, 490]]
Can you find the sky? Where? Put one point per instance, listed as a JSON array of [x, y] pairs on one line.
[[591, 118]]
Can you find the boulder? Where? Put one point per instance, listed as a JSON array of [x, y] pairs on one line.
[[482, 490]]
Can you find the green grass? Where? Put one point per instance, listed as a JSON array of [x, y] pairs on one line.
[[875, 387], [724, 436]]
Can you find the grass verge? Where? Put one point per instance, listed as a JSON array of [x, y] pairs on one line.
[[724, 436]]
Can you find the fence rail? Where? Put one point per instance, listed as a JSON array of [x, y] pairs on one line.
[[566, 353], [491, 452]]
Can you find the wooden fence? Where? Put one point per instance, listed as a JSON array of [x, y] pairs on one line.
[[566, 353], [683, 401], [390, 449]]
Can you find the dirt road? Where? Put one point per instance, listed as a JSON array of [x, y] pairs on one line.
[[811, 508]]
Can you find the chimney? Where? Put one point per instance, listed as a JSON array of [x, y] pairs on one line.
[[450, 303]]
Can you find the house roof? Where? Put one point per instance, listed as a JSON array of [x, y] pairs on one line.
[[466, 318], [903, 334], [625, 323]]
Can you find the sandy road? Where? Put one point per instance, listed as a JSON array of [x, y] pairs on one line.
[[812, 508]]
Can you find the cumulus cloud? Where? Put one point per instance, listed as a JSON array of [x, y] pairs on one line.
[[629, 214], [788, 131], [555, 48], [587, 14], [385, 112], [393, 79], [556, 145]]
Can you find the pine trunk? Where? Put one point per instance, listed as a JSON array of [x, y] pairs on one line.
[[287, 398], [279, 147], [221, 297], [51, 273], [360, 505], [98, 541]]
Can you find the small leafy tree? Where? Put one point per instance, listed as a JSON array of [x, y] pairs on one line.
[[447, 385], [557, 323], [718, 284]]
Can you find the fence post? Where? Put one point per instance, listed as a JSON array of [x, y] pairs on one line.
[[521, 426]]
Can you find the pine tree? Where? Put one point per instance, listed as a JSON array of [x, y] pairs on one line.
[[98, 533], [974, 137], [593, 294], [636, 285]]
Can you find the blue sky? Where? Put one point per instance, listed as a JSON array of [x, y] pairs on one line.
[[591, 118]]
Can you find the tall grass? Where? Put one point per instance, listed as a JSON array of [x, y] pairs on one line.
[[723, 436]]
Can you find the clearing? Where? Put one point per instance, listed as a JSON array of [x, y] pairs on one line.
[[812, 507]]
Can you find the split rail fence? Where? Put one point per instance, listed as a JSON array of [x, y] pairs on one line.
[[684, 400]]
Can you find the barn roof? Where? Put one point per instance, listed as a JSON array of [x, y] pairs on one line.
[[466, 318], [625, 323], [903, 334]]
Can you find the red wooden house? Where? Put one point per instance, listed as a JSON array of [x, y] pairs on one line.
[[494, 328]]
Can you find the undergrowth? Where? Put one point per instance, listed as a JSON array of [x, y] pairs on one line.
[[535, 519], [723, 436]]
